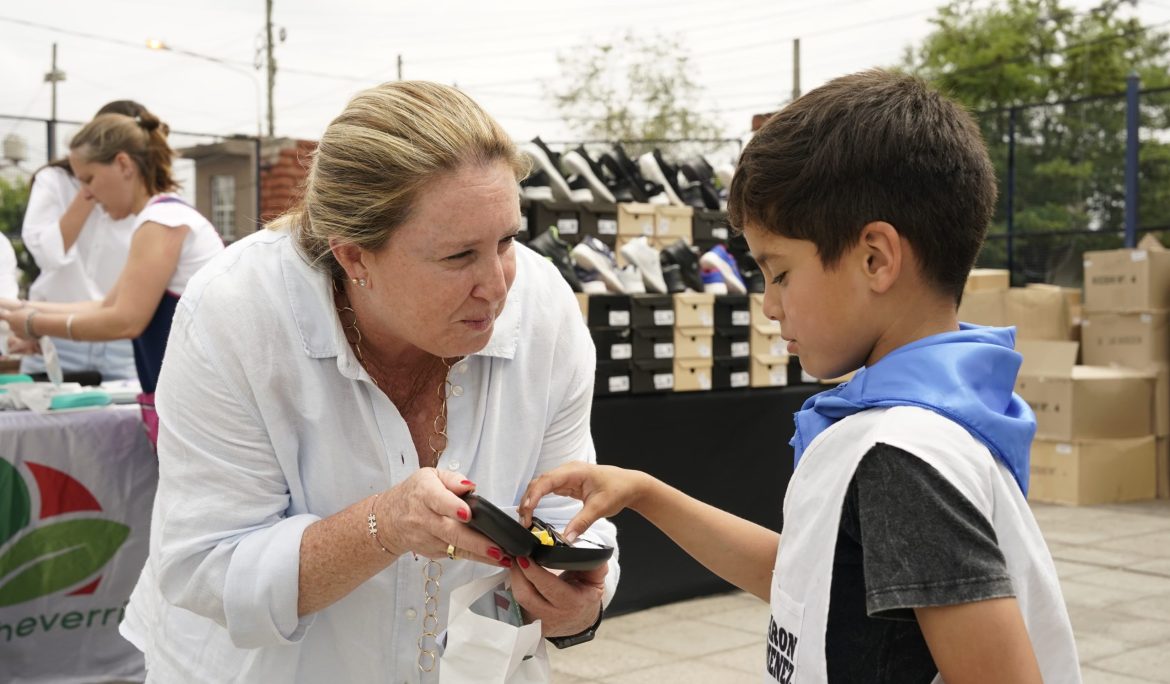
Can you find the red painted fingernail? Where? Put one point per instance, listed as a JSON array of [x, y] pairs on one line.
[[469, 483], [494, 553], [523, 562], [463, 514], [505, 562]]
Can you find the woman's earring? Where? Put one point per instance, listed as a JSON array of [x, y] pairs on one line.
[[360, 282]]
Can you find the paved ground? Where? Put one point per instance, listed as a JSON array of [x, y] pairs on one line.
[[1114, 564]]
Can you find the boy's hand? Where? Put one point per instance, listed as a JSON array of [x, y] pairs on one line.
[[605, 490], [984, 641]]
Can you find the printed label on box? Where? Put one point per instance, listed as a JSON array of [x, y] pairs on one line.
[[704, 351], [664, 317], [664, 226], [740, 379], [778, 377], [779, 347], [619, 383], [567, 226], [606, 227], [1063, 449], [706, 320], [648, 226], [664, 350], [664, 381], [741, 317], [619, 319], [621, 351], [1138, 255], [739, 349], [704, 380], [719, 233]]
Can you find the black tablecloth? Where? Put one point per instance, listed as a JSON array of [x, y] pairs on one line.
[[727, 448]]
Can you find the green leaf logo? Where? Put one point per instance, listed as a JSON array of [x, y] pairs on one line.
[[57, 556], [15, 505]]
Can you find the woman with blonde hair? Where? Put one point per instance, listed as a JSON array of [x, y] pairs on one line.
[[124, 164], [335, 384]]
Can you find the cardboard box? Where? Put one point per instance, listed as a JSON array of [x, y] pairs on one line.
[[732, 343], [1038, 313], [1083, 402], [983, 279], [1162, 467], [583, 304], [674, 222], [612, 377], [652, 311], [766, 340], [564, 216], [732, 311], [694, 310], [694, 343], [757, 311], [652, 376], [609, 311], [1134, 340], [710, 226], [613, 344], [1161, 399], [634, 219], [1073, 295], [1128, 279], [692, 375], [729, 373], [601, 225], [769, 371], [984, 307], [653, 343], [1092, 471]]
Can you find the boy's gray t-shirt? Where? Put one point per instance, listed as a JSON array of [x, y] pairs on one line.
[[908, 538]]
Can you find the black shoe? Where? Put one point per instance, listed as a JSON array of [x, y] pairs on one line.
[[624, 184], [645, 186], [544, 159], [692, 196], [697, 169], [680, 254], [673, 278], [753, 279], [550, 246], [580, 164]]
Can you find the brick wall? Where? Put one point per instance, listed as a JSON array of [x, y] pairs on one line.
[[286, 164]]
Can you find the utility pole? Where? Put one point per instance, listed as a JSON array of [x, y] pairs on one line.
[[271, 71], [54, 76], [400, 66], [795, 68]]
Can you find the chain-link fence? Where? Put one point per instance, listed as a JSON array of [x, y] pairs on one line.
[[1062, 182]]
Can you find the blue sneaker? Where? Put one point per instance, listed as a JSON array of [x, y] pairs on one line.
[[713, 282], [719, 259]]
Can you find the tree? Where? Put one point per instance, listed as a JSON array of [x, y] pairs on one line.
[[1001, 60], [634, 88], [13, 202]]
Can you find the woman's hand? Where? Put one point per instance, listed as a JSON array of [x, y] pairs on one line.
[[16, 320], [424, 514], [9, 304], [565, 604], [17, 346], [605, 491]]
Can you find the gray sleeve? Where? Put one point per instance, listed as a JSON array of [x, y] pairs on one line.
[[923, 543]]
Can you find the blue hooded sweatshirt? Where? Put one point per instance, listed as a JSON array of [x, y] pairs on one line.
[[966, 376]]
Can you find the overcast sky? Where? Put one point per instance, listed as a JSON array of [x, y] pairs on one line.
[[503, 53]]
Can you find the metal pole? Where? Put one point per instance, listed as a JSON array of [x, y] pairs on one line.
[[795, 69], [1011, 192], [256, 182], [1132, 122], [271, 73], [52, 77], [399, 67]]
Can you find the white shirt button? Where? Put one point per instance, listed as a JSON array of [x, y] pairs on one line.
[[453, 465], [411, 613], [457, 390], [461, 368]]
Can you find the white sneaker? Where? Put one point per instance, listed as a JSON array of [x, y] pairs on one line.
[[558, 186], [594, 254], [652, 172], [632, 280], [639, 253], [575, 163]]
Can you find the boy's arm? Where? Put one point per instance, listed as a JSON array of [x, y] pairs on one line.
[[984, 641], [739, 551]]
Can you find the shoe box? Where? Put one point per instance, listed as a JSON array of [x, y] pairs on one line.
[[608, 320], [765, 335], [693, 375], [710, 228], [731, 373], [609, 311], [673, 223], [566, 216], [601, 225], [613, 344], [694, 333], [612, 377], [769, 371], [635, 220], [732, 326], [652, 319], [651, 311], [651, 376], [694, 310], [654, 344]]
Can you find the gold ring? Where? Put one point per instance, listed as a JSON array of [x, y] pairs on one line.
[[452, 552]]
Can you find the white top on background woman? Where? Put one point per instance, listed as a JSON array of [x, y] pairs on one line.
[[360, 366], [80, 251]]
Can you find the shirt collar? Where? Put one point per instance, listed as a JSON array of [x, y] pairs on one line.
[[309, 296]]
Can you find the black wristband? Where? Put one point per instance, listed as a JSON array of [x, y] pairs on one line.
[[580, 637]]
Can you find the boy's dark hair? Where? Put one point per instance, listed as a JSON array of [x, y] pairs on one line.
[[871, 146]]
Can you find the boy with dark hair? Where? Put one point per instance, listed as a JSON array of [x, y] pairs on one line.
[[909, 553]]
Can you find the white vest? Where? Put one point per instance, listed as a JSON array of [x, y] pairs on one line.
[[812, 515]]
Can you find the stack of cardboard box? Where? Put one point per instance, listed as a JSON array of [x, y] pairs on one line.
[[769, 350], [661, 225], [1039, 312], [694, 341], [1127, 297]]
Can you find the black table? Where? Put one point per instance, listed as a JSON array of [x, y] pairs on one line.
[[727, 448]]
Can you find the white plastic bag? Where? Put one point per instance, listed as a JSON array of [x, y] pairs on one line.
[[483, 650]]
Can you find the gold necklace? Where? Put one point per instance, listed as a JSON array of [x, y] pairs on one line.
[[433, 570]]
